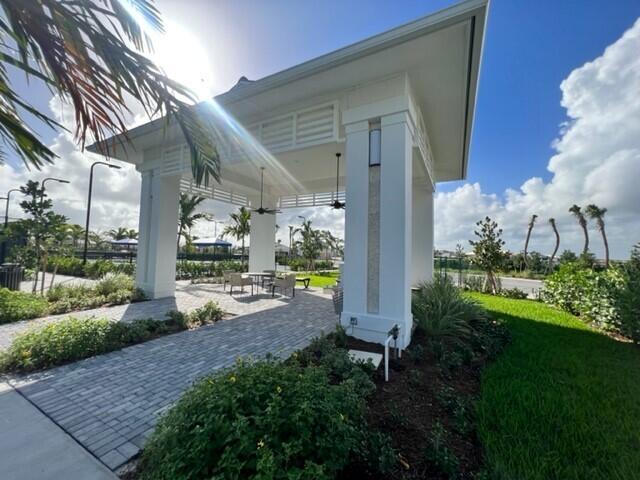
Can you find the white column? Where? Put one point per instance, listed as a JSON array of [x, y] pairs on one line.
[[422, 245], [156, 259], [354, 270], [262, 242], [396, 222]]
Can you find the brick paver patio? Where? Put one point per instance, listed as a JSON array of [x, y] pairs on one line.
[[111, 403]]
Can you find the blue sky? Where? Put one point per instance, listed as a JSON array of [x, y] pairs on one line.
[[531, 48]]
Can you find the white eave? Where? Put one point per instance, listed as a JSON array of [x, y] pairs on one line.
[[340, 69]]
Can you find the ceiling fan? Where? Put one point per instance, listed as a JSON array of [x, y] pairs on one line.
[[337, 204], [262, 210]]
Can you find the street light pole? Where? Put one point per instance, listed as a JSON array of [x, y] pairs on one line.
[[3, 252], [59, 180], [86, 228]]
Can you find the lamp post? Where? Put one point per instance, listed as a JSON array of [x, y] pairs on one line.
[[59, 180], [86, 228]]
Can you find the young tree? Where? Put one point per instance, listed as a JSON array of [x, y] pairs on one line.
[[576, 211], [311, 243], [187, 216], [42, 228], [596, 213], [552, 222], [532, 222], [91, 53], [567, 256], [487, 250], [240, 228]]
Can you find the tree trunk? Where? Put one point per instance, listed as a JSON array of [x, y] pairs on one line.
[[526, 246], [44, 271], [243, 262], [586, 239], [606, 247], [555, 250], [53, 276]]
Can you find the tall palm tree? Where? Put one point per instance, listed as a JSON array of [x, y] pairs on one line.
[[582, 221], [596, 213], [532, 222], [187, 216], [91, 53], [552, 222], [311, 244], [241, 226]]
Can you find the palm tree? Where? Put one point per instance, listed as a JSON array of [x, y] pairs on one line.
[[526, 242], [81, 51], [596, 213], [241, 226], [118, 234], [74, 232], [311, 244], [582, 221], [552, 222], [187, 216]]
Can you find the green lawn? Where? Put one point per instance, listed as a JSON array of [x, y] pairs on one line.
[[562, 401], [320, 281]]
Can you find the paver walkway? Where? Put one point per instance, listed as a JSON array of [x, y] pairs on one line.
[[187, 298], [111, 403]]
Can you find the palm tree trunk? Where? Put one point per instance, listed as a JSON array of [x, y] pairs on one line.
[[526, 246], [243, 261], [586, 239], [606, 246], [555, 250]]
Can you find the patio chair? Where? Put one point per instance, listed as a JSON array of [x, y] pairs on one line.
[[225, 278], [237, 280], [269, 280], [286, 282]]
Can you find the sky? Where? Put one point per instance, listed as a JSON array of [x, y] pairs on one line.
[[557, 118]]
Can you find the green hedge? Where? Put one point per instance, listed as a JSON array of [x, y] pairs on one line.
[[74, 267], [72, 339], [588, 293], [15, 306]]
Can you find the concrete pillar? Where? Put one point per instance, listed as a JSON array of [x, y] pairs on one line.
[[262, 242], [156, 259], [422, 244], [396, 222], [354, 271], [377, 298]]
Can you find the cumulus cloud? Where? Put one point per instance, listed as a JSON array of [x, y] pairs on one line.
[[597, 160]]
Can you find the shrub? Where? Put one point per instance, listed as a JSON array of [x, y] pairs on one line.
[[629, 303], [66, 266], [590, 294], [73, 339], [264, 420], [99, 268], [15, 306], [515, 293], [210, 312], [439, 309], [113, 289]]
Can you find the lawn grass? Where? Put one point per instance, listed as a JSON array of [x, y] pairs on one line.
[[320, 281], [562, 401]]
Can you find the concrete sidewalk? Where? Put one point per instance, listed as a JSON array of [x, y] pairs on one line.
[[32, 447]]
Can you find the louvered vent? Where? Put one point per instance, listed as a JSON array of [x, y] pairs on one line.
[[315, 125]]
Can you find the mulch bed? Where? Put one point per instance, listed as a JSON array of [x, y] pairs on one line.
[[423, 391]]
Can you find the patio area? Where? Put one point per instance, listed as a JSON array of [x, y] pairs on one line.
[[110, 403]]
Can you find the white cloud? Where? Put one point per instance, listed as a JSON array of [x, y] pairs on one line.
[[597, 161]]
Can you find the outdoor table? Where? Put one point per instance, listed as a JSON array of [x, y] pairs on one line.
[[305, 281], [258, 277]]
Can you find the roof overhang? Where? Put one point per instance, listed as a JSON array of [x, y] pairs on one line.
[[441, 53]]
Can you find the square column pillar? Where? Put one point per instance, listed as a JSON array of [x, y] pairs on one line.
[[262, 242], [422, 245], [158, 233], [378, 230]]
